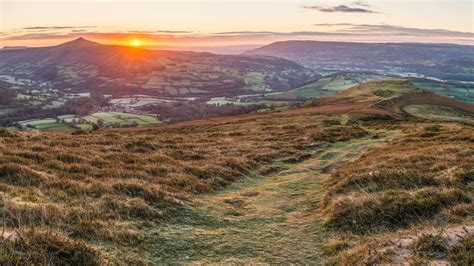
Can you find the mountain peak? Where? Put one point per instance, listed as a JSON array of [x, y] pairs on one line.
[[81, 42]]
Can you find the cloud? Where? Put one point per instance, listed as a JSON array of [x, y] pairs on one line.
[[360, 3], [384, 29], [144, 35], [244, 32], [331, 32], [339, 8], [57, 27], [162, 31], [275, 34]]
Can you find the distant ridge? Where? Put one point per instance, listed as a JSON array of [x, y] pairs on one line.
[[5, 48], [85, 65], [440, 61]]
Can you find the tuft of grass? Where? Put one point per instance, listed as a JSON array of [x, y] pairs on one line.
[[432, 246], [48, 248], [463, 252], [334, 246], [406, 182], [392, 209], [19, 176], [7, 133]]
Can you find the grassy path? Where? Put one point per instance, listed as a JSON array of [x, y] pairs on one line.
[[271, 219]]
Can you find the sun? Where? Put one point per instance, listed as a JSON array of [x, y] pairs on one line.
[[136, 42]]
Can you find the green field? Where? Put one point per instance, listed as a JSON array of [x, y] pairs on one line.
[[52, 126], [461, 93], [44, 124], [108, 119], [269, 103], [85, 126], [38, 122], [326, 86], [122, 119]]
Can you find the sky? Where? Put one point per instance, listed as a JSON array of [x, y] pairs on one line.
[[191, 24]]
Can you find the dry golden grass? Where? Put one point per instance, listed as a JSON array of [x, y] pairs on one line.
[[105, 188], [91, 198], [424, 177]]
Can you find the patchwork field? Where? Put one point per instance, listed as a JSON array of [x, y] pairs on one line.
[[86, 122], [44, 124], [326, 86], [240, 101], [138, 101], [123, 119], [461, 93]]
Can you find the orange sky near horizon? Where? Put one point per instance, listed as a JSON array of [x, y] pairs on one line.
[[185, 23]]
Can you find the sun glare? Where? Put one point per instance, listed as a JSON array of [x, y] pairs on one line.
[[136, 43]]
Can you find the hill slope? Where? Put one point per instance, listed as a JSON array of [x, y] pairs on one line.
[[86, 66], [400, 98], [245, 189], [442, 61]]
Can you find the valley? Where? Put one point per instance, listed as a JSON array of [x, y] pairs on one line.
[[151, 87]]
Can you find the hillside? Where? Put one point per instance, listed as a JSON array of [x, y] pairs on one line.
[[345, 179], [440, 61], [85, 66], [399, 98]]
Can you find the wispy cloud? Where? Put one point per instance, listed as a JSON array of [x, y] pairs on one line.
[[360, 3], [162, 31], [244, 32], [323, 32], [339, 8], [166, 36], [275, 34], [384, 29], [57, 27]]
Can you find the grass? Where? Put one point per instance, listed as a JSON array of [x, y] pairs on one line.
[[277, 188], [433, 246], [463, 252], [423, 177], [440, 113], [106, 189], [109, 119], [459, 92], [48, 248], [256, 220]]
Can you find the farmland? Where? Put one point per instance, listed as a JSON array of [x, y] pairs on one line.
[[52, 86], [432, 61], [49, 103], [155, 73], [134, 102], [105, 119], [459, 92], [326, 86]]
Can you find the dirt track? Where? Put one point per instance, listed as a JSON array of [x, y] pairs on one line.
[[271, 219]]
